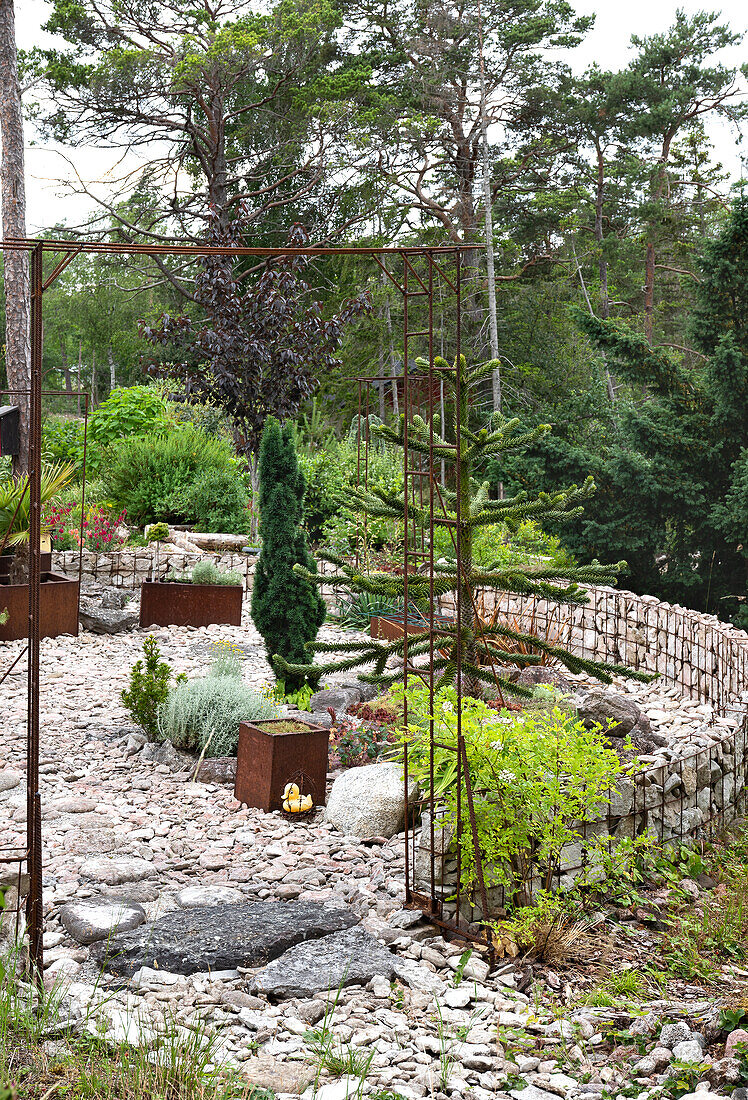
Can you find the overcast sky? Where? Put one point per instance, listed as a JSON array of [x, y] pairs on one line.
[[608, 44]]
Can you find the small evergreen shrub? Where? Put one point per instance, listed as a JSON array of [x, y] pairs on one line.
[[287, 609], [149, 688], [158, 532], [205, 713]]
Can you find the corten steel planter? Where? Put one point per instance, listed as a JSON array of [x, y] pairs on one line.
[[6, 560], [390, 629], [269, 758], [58, 607], [170, 603]]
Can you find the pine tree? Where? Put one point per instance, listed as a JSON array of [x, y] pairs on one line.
[[287, 608], [483, 653]]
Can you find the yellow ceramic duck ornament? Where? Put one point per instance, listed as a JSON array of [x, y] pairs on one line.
[[293, 802]]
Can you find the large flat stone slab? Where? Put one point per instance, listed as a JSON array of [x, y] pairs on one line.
[[115, 871], [89, 921], [220, 937], [352, 957]]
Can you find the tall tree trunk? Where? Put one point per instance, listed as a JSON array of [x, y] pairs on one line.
[[65, 366], [112, 368], [80, 372], [602, 261], [493, 327], [17, 300], [649, 282], [94, 391], [651, 259], [390, 341]]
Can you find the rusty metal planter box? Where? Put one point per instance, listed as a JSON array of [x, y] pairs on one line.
[[390, 629], [269, 758], [58, 607], [169, 603], [6, 560]]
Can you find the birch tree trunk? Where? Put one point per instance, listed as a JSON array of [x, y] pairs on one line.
[[17, 302], [112, 368]]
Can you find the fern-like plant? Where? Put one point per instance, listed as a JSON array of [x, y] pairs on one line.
[[204, 714]]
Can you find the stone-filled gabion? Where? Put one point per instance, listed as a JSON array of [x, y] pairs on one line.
[[688, 788]]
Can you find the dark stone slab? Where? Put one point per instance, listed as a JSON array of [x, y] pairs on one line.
[[352, 957], [220, 937]]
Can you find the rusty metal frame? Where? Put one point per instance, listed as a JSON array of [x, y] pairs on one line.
[[67, 251], [423, 496]]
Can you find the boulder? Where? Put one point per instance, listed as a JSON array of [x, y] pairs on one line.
[[115, 871], [370, 801], [320, 718], [97, 618], [352, 957], [208, 895], [672, 1034], [217, 769], [620, 717], [341, 696], [736, 1039], [89, 921], [265, 1072], [542, 674], [166, 754], [9, 779], [220, 937]]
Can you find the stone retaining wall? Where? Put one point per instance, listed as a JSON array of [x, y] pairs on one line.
[[688, 790], [130, 567]]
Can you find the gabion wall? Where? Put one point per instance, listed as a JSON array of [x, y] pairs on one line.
[[683, 794]]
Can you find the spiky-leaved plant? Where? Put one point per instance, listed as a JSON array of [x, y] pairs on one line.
[[287, 608], [467, 508]]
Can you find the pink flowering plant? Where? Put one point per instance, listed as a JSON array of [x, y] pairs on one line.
[[98, 533]]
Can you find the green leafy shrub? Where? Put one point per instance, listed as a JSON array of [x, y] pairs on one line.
[[151, 476], [62, 441], [127, 412], [204, 714], [536, 777], [329, 474], [218, 501], [287, 609], [149, 688], [498, 545]]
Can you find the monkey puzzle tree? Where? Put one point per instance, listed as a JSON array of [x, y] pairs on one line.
[[479, 651]]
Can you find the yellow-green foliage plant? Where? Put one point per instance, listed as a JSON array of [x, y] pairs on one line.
[[536, 778]]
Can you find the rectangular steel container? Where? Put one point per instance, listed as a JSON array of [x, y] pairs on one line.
[[169, 603], [58, 607], [268, 759]]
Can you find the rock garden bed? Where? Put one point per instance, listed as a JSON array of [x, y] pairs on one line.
[[132, 844]]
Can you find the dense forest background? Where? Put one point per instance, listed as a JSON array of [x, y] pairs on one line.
[[611, 282]]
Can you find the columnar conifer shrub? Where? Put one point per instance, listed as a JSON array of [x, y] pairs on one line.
[[469, 510], [287, 609]]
